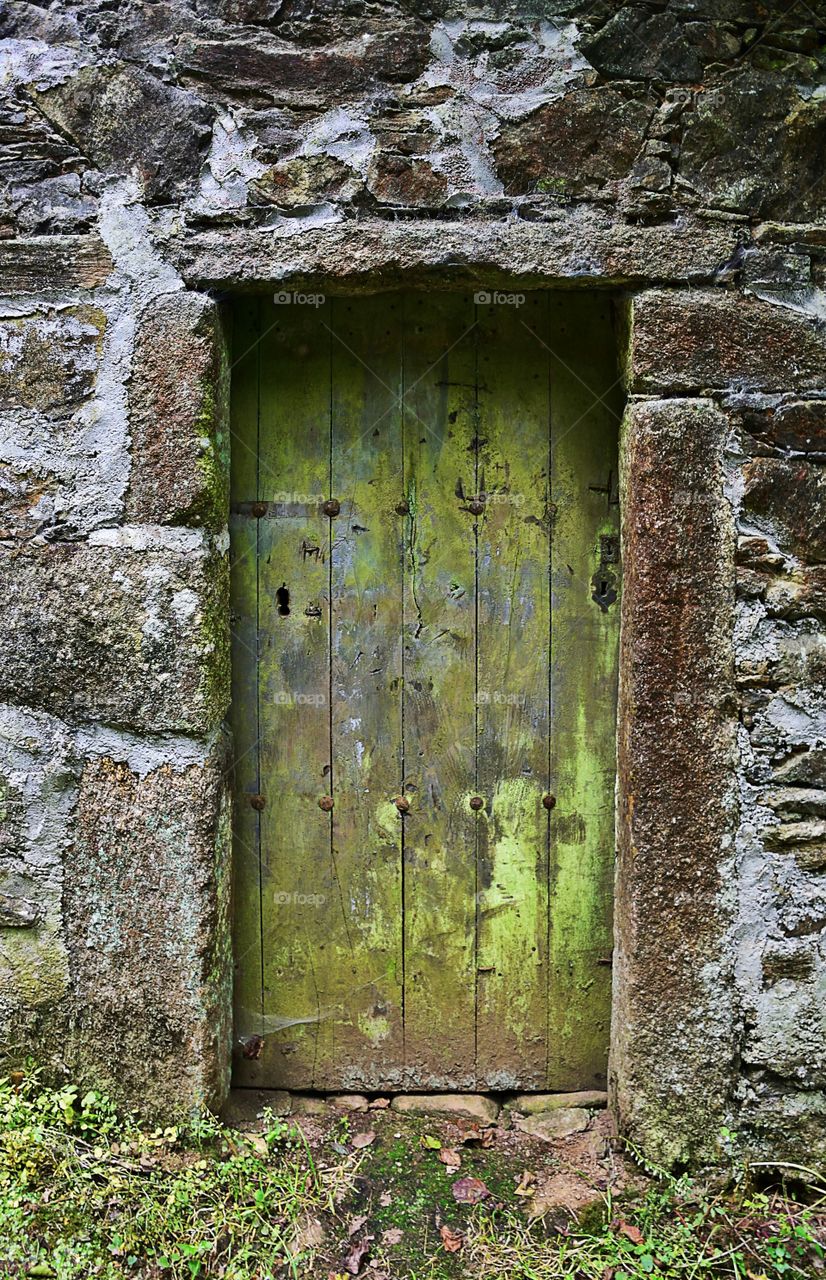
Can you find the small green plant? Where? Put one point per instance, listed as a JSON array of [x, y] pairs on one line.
[[552, 187], [86, 1193]]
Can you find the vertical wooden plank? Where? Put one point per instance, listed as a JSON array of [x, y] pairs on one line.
[[294, 620], [439, 692], [248, 1012], [360, 959], [513, 693], [586, 406]]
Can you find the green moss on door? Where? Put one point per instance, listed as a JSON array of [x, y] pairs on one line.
[[424, 690]]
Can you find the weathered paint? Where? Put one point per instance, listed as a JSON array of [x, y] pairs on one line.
[[440, 687], [585, 410], [450, 634], [362, 1044], [514, 456]]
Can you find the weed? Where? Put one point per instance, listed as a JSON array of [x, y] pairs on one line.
[[87, 1193]]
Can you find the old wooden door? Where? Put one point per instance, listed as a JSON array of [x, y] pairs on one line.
[[424, 690]]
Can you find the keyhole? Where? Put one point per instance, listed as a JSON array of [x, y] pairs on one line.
[[282, 600]]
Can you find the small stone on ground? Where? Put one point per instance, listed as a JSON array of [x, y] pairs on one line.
[[468, 1106], [531, 1103], [550, 1125]]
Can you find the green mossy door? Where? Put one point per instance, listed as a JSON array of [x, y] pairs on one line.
[[446, 639]]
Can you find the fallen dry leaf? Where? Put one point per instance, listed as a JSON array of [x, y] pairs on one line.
[[448, 1156], [526, 1183], [429, 1142], [358, 1250], [451, 1240], [356, 1225], [379, 1104], [360, 1140], [258, 1143], [633, 1233], [308, 1234], [385, 1199], [392, 1235], [469, 1191], [484, 1137]]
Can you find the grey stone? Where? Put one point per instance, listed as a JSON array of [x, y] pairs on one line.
[[551, 1125], [308, 1104], [50, 362], [131, 633], [581, 244], [467, 1106], [17, 913], [531, 1103], [347, 1101], [129, 122], [147, 894]]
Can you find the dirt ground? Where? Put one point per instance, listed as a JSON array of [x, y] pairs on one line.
[[408, 1182]]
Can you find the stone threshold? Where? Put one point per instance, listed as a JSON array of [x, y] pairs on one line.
[[540, 1115]]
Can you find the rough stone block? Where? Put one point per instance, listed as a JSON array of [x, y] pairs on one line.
[[673, 1013], [755, 144], [799, 425], [147, 928], [578, 145], [531, 1103], [788, 498], [53, 262], [551, 1125], [38, 774], [129, 122], [178, 414], [687, 342], [467, 1106], [120, 630], [286, 75], [50, 362]]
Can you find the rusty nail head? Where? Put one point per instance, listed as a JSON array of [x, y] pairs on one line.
[[476, 802], [259, 509], [549, 801], [257, 802], [403, 509], [402, 804], [331, 507], [326, 803], [476, 506]]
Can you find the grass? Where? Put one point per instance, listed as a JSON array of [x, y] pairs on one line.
[[87, 1193]]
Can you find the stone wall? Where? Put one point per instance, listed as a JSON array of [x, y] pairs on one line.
[[154, 158]]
